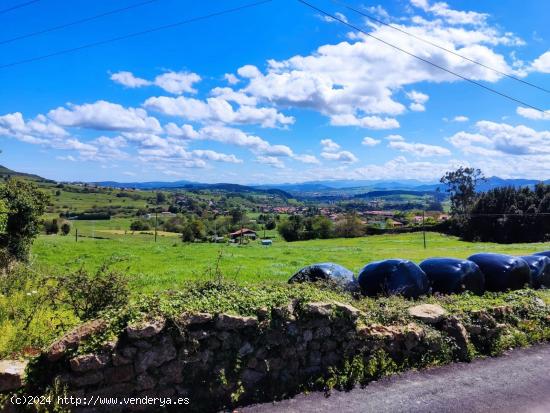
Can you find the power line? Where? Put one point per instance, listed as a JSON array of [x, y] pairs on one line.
[[76, 22], [440, 47], [18, 6], [421, 58], [135, 34]]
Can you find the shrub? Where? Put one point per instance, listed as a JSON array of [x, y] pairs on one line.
[[140, 225], [65, 228], [90, 294], [26, 204], [51, 227]]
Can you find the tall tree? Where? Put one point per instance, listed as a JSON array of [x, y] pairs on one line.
[[461, 185], [25, 204]]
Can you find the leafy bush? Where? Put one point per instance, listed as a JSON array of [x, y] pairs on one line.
[[90, 294], [65, 228], [140, 225], [25, 204]]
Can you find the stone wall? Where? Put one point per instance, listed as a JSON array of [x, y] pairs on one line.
[[221, 361]]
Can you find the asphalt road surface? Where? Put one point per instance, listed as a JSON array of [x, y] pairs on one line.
[[516, 382]]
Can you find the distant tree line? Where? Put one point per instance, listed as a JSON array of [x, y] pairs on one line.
[[504, 215], [301, 228]]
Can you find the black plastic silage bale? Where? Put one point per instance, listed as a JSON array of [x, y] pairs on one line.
[[393, 277], [503, 272], [452, 275], [540, 270], [327, 271]]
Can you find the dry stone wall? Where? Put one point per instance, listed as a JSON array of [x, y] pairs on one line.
[[222, 360]]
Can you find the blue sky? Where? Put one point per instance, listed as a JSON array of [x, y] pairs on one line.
[[274, 93]]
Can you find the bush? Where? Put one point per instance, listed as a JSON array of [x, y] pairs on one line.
[[140, 225], [65, 228], [26, 204], [51, 227], [90, 294]]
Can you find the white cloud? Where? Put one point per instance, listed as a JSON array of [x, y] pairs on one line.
[[129, 80], [237, 137], [534, 114], [307, 159], [177, 82], [418, 101], [460, 118], [271, 161], [496, 139], [39, 130], [329, 145], [249, 71], [172, 82], [394, 138], [342, 156], [103, 115], [542, 63], [216, 109], [419, 149], [185, 131], [367, 141], [441, 9], [329, 19], [350, 83], [231, 78]]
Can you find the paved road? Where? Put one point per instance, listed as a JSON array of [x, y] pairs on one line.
[[516, 382]]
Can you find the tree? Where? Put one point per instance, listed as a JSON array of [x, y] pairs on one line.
[[461, 185], [26, 204], [271, 224], [349, 227], [161, 198]]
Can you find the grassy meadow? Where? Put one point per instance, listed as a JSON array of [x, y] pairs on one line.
[[169, 263]]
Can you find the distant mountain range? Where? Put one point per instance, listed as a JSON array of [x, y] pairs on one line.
[[312, 188]]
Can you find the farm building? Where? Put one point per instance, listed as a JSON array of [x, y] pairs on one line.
[[245, 233]]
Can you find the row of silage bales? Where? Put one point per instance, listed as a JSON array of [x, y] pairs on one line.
[[479, 273]]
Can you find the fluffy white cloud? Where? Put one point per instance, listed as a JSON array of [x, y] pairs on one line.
[[103, 115], [39, 130], [172, 82], [177, 82], [329, 145], [217, 109], [308, 159], [442, 9], [418, 99], [342, 156], [368, 141], [530, 113], [350, 82], [542, 63], [419, 149], [496, 139], [271, 161], [129, 80]]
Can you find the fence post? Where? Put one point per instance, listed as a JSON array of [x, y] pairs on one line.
[[424, 228]]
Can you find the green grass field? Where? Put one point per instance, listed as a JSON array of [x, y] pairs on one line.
[[169, 263]]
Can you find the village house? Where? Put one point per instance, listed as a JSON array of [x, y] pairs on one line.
[[245, 233]]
